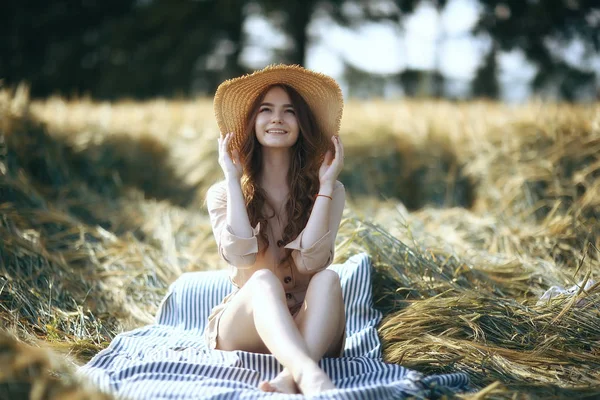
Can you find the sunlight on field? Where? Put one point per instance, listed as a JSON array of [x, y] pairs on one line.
[[470, 212]]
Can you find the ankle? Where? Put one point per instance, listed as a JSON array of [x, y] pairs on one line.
[[302, 369]]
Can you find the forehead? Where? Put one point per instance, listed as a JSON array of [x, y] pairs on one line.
[[277, 95]]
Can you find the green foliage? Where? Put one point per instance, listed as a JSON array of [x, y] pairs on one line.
[[128, 48], [141, 49], [485, 84], [530, 25]]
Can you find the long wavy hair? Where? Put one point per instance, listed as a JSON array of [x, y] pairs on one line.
[[303, 174]]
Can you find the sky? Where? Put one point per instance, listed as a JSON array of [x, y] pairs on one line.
[[386, 49]]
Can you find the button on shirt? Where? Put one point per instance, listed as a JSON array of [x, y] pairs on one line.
[[244, 256]]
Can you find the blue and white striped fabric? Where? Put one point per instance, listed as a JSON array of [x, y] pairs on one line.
[[170, 360]]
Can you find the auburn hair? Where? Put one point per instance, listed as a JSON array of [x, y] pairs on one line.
[[303, 174]]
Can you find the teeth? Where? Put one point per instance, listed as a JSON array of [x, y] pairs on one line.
[[275, 131]]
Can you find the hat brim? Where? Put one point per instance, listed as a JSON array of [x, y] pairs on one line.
[[234, 98]]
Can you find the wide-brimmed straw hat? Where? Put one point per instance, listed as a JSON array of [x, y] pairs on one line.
[[234, 98]]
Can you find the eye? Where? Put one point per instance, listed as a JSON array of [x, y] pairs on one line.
[[264, 109], [291, 111]]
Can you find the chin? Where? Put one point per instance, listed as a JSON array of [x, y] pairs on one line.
[[280, 142], [278, 145]]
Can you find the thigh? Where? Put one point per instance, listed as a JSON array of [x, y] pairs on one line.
[[337, 346], [336, 307], [235, 328]]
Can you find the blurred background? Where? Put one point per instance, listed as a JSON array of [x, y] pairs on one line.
[[471, 210], [510, 50]]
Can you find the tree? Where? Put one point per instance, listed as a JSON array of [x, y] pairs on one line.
[[168, 46], [49, 43], [485, 83], [350, 13], [113, 48], [534, 26], [145, 48]]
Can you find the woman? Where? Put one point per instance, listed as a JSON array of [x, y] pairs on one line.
[[275, 218]]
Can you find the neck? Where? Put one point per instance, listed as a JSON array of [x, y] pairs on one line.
[[275, 166]]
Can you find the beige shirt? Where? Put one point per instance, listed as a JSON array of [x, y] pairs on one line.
[[244, 258]]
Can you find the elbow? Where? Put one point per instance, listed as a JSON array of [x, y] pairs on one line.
[[244, 262], [239, 261], [310, 266]]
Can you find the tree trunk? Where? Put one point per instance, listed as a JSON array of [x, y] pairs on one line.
[[299, 16]]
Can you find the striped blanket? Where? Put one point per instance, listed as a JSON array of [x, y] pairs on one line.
[[169, 359]]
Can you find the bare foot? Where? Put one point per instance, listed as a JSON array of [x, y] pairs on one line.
[[313, 380], [282, 383]]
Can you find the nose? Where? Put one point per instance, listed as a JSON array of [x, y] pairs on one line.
[[277, 117]]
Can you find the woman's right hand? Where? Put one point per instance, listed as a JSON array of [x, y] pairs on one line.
[[232, 168]]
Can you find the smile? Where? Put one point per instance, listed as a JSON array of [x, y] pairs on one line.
[[276, 131]]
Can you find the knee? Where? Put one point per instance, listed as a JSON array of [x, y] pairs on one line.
[[329, 279], [265, 279]]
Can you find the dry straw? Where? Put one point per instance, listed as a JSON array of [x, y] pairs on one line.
[[99, 215]]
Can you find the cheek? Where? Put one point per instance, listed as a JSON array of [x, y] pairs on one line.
[[259, 121], [292, 121]]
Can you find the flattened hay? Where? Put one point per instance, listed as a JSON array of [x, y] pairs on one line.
[[468, 223]]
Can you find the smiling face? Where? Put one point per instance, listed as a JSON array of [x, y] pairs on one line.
[[276, 123]]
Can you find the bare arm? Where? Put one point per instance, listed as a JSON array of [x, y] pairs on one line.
[[314, 247], [318, 223], [236, 239], [237, 215]]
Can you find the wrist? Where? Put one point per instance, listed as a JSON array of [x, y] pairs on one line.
[[233, 180], [326, 188]]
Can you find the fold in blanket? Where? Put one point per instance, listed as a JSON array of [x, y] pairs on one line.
[[170, 359]]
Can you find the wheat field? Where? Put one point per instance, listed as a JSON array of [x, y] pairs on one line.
[[470, 212]]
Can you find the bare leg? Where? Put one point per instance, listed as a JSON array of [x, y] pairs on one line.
[[321, 323], [271, 328], [322, 320]]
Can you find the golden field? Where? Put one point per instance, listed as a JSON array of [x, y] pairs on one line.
[[469, 211]]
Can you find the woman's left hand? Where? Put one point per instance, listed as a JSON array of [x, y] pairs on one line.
[[333, 163]]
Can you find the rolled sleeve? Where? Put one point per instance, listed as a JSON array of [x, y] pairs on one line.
[[314, 258], [310, 260], [238, 251]]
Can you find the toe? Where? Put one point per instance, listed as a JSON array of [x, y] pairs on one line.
[[266, 386]]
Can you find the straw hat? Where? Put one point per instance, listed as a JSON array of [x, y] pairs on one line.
[[234, 97]]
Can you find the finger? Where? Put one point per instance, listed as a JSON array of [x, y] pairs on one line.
[[227, 141], [328, 158], [339, 148], [339, 156], [223, 148], [336, 145]]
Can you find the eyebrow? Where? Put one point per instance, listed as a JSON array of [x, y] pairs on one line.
[[273, 105]]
